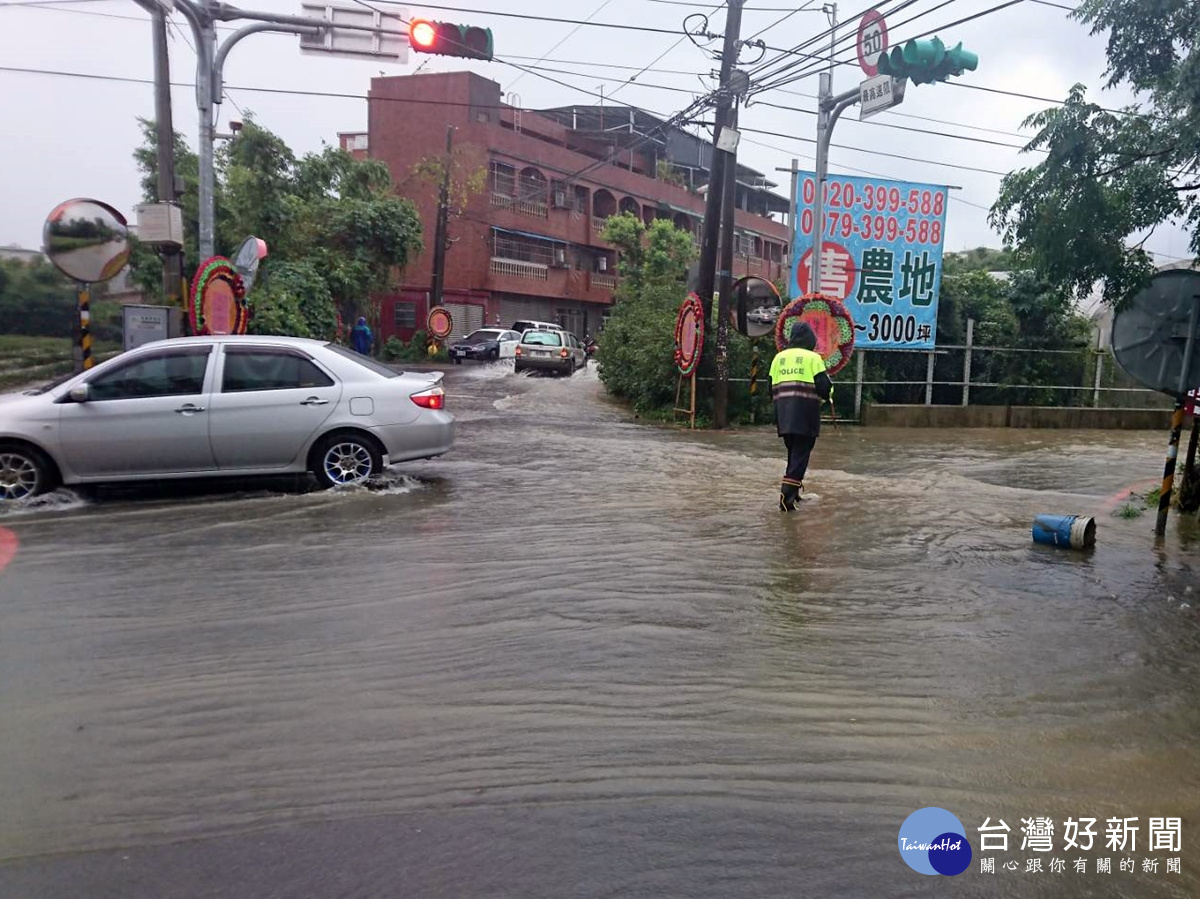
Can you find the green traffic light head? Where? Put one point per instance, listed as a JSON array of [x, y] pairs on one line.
[[924, 53], [962, 60]]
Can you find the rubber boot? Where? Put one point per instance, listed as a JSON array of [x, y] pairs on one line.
[[788, 494]]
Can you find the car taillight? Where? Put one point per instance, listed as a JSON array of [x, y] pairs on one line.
[[434, 398], [517, 351], [564, 352]]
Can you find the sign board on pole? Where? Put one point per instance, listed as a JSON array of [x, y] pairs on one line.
[[879, 93], [144, 324], [366, 32], [872, 40], [881, 256], [160, 224]]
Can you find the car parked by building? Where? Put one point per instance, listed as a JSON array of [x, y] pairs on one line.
[[523, 325], [221, 406], [556, 351], [486, 344]]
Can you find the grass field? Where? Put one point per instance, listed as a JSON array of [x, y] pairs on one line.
[[29, 360]]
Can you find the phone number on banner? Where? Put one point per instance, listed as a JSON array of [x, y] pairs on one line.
[[877, 198], [882, 227]]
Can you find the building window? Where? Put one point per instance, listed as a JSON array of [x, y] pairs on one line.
[[503, 179], [523, 249], [358, 142], [581, 199], [743, 244], [404, 315]]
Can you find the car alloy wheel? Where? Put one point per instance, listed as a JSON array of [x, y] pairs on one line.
[[347, 462], [20, 475]]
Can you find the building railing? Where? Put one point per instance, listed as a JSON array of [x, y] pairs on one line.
[[517, 268], [598, 223], [605, 282], [531, 208]]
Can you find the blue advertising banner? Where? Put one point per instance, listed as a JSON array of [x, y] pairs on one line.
[[881, 255]]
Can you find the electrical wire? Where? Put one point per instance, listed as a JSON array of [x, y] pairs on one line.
[[963, 137], [686, 36], [782, 19], [809, 140], [566, 38]]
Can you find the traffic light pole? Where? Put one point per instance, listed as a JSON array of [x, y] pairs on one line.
[[202, 16], [829, 109]]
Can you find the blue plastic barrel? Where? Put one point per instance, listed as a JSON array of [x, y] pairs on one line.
[[1069, 531]]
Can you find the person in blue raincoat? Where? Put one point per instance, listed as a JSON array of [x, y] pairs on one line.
[[360, 337]]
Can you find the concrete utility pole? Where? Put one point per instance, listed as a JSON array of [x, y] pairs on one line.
[[172, 257], [728, 206], [439, 240], [716, 178], [722, 159]]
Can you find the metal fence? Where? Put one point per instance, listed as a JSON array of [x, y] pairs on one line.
[[973, 374]]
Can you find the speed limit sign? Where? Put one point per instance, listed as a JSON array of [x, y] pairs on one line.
[[872, 40]]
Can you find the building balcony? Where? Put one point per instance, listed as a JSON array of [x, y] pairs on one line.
[[603, 281], [516, 268], [598, 224], [531, 208]]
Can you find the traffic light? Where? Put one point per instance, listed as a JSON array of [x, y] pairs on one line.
[[923, 62], [449, 39]]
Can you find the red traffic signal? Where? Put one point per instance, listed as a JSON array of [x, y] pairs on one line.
[[449, 39], [422, 35]]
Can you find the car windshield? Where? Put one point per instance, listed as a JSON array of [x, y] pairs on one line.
[[365, 361], [477, 336], [542, 338]]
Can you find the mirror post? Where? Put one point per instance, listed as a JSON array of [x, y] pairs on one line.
[[84, 297]]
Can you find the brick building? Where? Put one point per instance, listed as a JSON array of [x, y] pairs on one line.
[[528, 245]]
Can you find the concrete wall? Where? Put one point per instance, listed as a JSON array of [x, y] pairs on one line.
[[1074, 418]]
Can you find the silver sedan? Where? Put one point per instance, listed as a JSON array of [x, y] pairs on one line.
[[221, 406]]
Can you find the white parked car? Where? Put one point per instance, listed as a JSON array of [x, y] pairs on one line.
[[221, 406]]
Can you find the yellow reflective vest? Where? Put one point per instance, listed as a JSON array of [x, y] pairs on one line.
[[798, 385]]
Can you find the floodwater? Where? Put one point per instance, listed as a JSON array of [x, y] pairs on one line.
[[586, 656]]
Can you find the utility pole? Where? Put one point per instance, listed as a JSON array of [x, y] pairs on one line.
[[439, 240], [724, 157], [172, 257], [728, 206], [716, 180]]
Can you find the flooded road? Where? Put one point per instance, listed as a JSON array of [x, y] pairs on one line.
[[584, 656]]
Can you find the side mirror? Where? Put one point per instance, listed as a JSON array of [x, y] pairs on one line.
[[80, 393]]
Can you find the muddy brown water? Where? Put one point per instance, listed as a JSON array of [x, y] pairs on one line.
[[584, 656]]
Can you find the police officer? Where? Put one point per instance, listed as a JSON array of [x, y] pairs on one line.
[[799, 384]]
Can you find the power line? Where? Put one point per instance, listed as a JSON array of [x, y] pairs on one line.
[[809, 140], [964, 137], [568, 36], [782, 19], [659, 58], [905, 115]]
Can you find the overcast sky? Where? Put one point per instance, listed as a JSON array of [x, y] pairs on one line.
[[70, 137]]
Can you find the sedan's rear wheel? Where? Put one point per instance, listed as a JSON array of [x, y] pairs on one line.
[[24, 472], [344, 460]]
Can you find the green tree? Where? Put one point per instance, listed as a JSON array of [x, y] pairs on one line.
[[1109, 175], [637, 352], [36, 299], [336, 230]]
